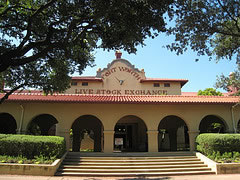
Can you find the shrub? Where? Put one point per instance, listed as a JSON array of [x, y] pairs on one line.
[[30, 146], [209, 143]]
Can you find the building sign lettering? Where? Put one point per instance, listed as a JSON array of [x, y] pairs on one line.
[[120, 92], [122, 69]]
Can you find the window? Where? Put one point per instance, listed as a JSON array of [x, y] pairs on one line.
[[84, 83], [156, 85], [73, 83], [166, 84]]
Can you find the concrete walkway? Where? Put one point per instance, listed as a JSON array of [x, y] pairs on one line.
[[199, 177]]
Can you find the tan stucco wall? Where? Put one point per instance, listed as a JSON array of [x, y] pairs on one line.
[[131, 76], [110, 114]]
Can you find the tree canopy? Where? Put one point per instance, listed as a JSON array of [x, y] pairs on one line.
[[209, 27], [230, 83], [209, 92], [43, 42]]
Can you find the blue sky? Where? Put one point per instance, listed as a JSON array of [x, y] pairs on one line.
[[158, 62]]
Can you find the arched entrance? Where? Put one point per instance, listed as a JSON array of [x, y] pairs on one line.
[[173, 134], [238, 127], [8, 124], [44, 124], [212, 124], [130, 135], [87, 134]]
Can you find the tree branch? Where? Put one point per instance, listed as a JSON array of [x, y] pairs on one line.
[[19, 62], [8, 93], [29, 27], [230, 15]]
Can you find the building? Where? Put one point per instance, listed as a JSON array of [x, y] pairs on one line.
[[120, 109]]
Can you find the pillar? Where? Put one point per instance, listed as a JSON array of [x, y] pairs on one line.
[[152, 140], [64, 133], [172, 132], [192, 139], [108, 141]]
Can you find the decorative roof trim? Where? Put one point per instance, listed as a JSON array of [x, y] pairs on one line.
[[126, 62]]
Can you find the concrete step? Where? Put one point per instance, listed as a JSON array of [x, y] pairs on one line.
[[130, 170], [129, 160], [132, 154], [133, 166], [103, 174], [130, 164]]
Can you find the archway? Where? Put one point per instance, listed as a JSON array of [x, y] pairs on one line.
[[8, 124], [212, 124], [87, 134], [238, 126], [173, 134], [44, 124], [130, 135]]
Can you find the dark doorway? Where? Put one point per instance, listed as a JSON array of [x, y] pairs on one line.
[[130, 135], [8, 124], [212, 124], [87, 134], [44, 124], [173, 134]]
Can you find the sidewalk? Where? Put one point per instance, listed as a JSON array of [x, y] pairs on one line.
[[198, 177]]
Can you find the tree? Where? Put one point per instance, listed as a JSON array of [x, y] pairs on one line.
[[209, 92], [43, 42], [230, 83], [210, 27]]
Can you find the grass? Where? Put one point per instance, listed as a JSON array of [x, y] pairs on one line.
[[24, 160]]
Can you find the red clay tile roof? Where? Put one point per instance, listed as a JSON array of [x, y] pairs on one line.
[[182, 81], [87, 78], [122, 99], [195, 94]]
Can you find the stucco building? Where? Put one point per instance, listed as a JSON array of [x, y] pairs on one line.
[[120, 109]]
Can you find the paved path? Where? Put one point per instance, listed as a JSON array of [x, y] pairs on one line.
[[199, 177]]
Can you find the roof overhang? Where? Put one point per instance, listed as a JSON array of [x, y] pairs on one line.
[[120, 99], [181, 81]]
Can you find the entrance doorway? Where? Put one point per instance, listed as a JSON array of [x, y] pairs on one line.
[[212, 124], [87, 134], [44, 124], [173, 134], [8, 124], [130, 135]]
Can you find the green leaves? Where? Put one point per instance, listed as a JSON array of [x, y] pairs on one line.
[[208, 27], [30, 146], [230, 83], [42, 43], [209, 92]]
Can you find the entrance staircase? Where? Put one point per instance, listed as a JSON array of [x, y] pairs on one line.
[[132, 164]]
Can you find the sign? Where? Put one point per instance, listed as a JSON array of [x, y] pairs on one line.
[[121, 69], [120, 92], [118, 141]]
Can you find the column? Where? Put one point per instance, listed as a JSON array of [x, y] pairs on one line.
[[192, 139], [152, 140], [108, 141], [64, 133]]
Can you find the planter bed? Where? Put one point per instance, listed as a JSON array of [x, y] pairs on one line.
[[220, 168], [31, 169]]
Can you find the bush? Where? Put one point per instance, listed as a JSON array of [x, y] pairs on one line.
[[30, 146], [219, 146], [208, 143]]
